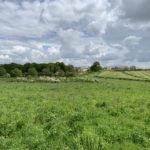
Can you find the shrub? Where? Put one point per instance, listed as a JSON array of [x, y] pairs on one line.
[[2, 71], [16, 73], [60, 73], [32, 72], [46, 72], [69, 74]]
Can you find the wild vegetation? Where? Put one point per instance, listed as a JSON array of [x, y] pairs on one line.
[[91, 114]]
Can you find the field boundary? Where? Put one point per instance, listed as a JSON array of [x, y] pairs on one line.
[[134, 75], [142, 80]]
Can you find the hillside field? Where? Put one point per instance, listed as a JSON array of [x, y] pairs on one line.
[[106, 114], [132, 75]]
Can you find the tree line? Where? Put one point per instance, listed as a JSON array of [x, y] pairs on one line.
[[43, 69], [35, 69]]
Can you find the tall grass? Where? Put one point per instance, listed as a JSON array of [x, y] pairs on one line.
[[103, 115]]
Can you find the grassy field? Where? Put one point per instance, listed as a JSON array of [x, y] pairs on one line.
[[132, 75], [108, 114]]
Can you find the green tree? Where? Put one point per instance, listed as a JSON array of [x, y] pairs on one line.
[[70, 71], [46, 71], [2, 71], [62, 66], [56, 67], [16, 73], [70, 68], [95, 67], [32, 72], [12, 66]]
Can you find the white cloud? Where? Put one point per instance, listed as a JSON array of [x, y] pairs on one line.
[[132, 40], [36, 18], [4, 58]]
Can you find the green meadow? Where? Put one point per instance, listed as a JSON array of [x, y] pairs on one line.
[[132, 75], [98, 114]]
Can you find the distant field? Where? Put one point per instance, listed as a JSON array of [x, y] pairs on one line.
[[103, 115], [135, 75]]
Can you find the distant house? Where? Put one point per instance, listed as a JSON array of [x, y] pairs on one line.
[[122, 68]]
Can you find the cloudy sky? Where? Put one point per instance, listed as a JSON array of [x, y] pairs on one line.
[[79, 32]]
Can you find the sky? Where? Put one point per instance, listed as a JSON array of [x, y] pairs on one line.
[[78, 32]]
